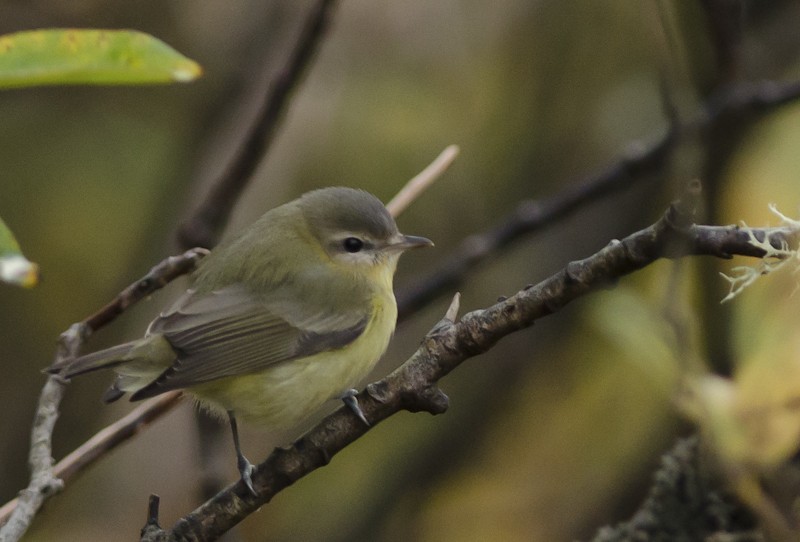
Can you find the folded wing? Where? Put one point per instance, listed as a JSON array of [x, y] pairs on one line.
[[231, 332]]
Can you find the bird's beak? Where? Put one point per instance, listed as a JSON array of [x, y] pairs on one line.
[[404, 242]]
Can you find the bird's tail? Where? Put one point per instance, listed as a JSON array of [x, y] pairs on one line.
[[102, 359]]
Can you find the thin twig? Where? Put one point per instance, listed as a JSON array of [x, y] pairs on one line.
[[109, 437], [413, 188], [528, 217], [158, 277], [203, 228], [724, 21], [533, 215], [44, 480], [105, 440]]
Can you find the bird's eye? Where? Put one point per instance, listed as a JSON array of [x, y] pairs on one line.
[[353, 244]]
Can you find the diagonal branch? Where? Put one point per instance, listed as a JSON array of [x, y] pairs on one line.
[[203, 228], [105, 440], [413, 386], [16, 516], [530, 216], [724, 21]]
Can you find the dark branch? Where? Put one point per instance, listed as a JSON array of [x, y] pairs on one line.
[[685, 501], [724, 22], [413, 386], [158, 277], [532, 215], [115, 434], [203, 228]]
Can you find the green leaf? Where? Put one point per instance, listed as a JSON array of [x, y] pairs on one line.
[[90, 57], [14, 267]]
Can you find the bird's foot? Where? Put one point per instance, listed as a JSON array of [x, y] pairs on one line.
[[246, 471], [349, 399], [245, 467]]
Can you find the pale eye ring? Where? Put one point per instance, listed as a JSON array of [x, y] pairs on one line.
[[353, 244]]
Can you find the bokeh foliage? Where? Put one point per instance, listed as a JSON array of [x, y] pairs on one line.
[[552, 433]]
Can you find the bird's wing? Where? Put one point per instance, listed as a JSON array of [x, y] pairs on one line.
[[231, 332]]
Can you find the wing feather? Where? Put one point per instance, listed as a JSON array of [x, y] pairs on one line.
[[231, 332]]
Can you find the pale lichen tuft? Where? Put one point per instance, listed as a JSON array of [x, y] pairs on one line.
[[774, 257]]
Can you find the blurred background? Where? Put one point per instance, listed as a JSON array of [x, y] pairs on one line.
[[553, 433]]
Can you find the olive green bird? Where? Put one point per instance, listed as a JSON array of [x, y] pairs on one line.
[[293, 312]]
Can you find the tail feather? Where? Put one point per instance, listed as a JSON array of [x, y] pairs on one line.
[[102, 359]]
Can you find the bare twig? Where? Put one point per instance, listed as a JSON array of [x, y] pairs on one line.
[[413, 386], [105, 440], [530, 216], [158, 277], [44, 481], [533, 215], [422, 181], [724, 21], [203, 228]]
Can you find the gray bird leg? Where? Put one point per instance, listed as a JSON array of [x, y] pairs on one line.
[[245, 467]]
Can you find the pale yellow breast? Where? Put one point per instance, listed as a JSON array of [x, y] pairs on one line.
[[287, 393]]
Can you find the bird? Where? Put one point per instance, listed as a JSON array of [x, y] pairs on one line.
[[290, 313]]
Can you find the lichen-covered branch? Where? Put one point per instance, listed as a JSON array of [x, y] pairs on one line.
[[685, 502], [205, 225]]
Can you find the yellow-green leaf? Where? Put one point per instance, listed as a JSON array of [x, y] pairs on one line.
[[90, 57], [14, 267]]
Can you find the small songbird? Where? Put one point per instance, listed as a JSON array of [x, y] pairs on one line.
[[294, 311]]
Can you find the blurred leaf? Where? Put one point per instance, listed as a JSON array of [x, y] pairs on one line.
[[14, 267], [639, 332], [753, 420], [94, 57]]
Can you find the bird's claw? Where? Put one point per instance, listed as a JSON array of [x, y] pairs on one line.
[[246, 471], [349, 399]]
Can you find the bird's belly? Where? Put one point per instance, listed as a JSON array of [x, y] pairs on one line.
[[285, 394]]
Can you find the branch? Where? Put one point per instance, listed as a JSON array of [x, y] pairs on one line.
[[158, 277], [724, 20], [422, 181], [203, 228], [44, 478], [104, 441], [413, 386], [686, 502], [533, 215]]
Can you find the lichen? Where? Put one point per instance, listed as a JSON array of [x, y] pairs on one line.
[[774, 257]]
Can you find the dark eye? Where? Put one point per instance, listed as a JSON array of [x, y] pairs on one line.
[[353, 244]]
